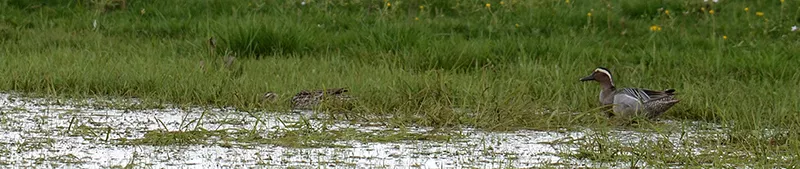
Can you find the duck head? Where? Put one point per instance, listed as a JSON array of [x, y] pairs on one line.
[[602, 76], [269, 96]]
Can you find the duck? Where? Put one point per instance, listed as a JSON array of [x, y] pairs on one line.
[[631, 101], [307, 99]]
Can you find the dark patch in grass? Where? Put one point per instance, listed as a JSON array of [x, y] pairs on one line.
[[460, 56], [299, 137], [261, 40], [392, 37], [8, 35], [160, 27], [165, 138], [642, 9], [447, 8], [34, 4]]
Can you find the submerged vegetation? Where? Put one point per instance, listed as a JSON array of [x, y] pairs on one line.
[[492, 65]]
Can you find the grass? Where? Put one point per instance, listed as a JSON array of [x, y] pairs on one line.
[[513, 65], [668, 148], [296, 134]]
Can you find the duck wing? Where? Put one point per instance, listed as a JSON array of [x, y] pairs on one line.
[[645, 95], [658, 95]]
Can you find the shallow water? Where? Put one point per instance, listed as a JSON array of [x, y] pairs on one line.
[[38, 132], [87, 134]]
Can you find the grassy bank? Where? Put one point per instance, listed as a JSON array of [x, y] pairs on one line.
[[503, 64]]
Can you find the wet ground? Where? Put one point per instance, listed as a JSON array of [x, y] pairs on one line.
[[39, 132], [89, 134]]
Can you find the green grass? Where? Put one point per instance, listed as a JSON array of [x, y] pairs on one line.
[[434, 63]]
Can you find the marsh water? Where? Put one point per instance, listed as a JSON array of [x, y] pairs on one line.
[[47, 133]]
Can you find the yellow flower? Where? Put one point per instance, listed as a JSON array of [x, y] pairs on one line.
[[759, 13], [388, 4], [655, 28], [666, 12], [421, 7], [502, 3], [567, 1], [746, 9], [416, 18], [781, 1], [488, 5], [711, 12], [516, 25], [589, 14], [724, 37]]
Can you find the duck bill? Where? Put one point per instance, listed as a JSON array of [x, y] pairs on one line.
[[587, 78]]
